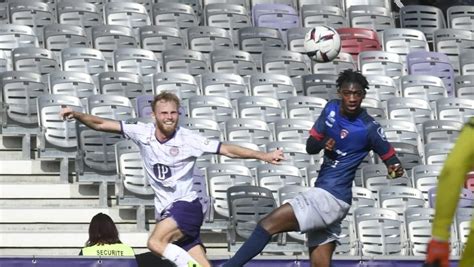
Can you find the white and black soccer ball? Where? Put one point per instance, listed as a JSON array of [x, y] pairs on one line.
[[322, 43]]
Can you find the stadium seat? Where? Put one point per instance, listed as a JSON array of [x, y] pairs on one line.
[[336, 3], [460, 17], [264, 108], [108, 38], [381, 87], [436, 153], [423, 86], [243, 3], [403, 41], [400, 131], [381, 63], [342, 62], [273, 177], [408, 154], [15, 36], [356, 40], [80, 13], [143, 106], [295, 155], [370, 17], [184, 61], [459, 109], [452, 43], [233, 61], [231, 86], [427, 19], [72, 83], [374, 178], [321, 14], [463, 226], [275, 15], [400, 198], [60, 36], [174, 14], [255, 40], [418, 225], [33, 59], [122, 83], [248, 130], [466, 198], [249, 163], [363, 197], [295, 40], [464, 86], [470, 181], [378, 3], [304, 107], [409, 109], [466, 61], [441, 131], [182, 84], [86, 60], [216, 108], [320, 85], [206, 39], [284, 62], [228, 16], [277, 86], [160, 38], [204, 127], [374, 108], [293, 130], [425, 177], [129, 14]]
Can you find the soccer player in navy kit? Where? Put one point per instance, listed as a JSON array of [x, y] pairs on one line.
[[346, 133]]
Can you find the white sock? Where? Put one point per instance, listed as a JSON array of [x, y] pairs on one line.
[[178, 255]]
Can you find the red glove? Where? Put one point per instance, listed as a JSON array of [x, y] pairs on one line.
[[438, 253]]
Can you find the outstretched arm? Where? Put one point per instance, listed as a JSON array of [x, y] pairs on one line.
[[91, 121], [234, 151]]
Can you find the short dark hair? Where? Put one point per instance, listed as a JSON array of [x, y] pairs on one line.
[[165, 96], [350, 76], [102, 230]]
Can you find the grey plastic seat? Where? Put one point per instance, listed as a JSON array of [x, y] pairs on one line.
[[292, 130], [112, 107], [206, 39], [463, 226], [205, 127], [418, 223], [377, 3], [182, 84], [125, 84], [130, 14], [464, 86], [381, 63], [5, 64], [160, 38], [374, 178], [32, 59], [231, 86], [176, 15], [219, 178], [34, 14], [401, 131], [138, 61], [460, 17], [60, 36], [452, 43], [184, 61], [81, 59], [284, 62], [211, 107], [466, 62], [404, 41], [378, 231], [436, 153], [196, 5], [370, 17], [249, 163], [108, 38], [274, 177], [363, 197], [277, 86], [295, 155], [399, 198], [243, 3], [72, 83], [248, 130], [320, 85], [304, 107], [15, 36], [460, 109], [295, 40], [381, 87], [321, 14], [408, 154], [228, 16], [255, 40], [409, 109], [427, 19], [342, 62], [232, 61], [336, 3], [427, 87], [260, 107], [443, 131], [374, 108], [80, 13], [425, 177]]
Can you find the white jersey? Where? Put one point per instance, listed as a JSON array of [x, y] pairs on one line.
[[170, 165]]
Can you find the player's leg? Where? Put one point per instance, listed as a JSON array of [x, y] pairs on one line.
[[320, 256], [279, 220], [198, 253], [467, 258]]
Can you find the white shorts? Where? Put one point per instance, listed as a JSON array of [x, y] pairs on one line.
[[319, 215]]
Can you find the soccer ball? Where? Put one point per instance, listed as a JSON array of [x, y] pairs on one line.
[[322, 43]]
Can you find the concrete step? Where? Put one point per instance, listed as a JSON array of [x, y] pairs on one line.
[[29, 167]]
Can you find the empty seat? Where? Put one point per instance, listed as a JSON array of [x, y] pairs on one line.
[[15, 36], [464, 86], [427, 19], [374, 178], [425, 177], [227, 85], [295, 155], [404, 41], [33, 59], [400, 198], [176, 15], [79, 13], [460, 17], [381, 87], [233, 61], [458, 109], [273, 177], [138, 61], [466, 62], [427, 87], [125, 84], [370, 17], [463, 226], [276, 15], [182, 84], [401, 131], [408, 154], [86, 60], [295, 40], [284, 62], [205, 127], [436, 153], [452, 43], [230, 17], [418, 225], [206, 39], [129, 14], [356, 40], [320, 85], [249, 163], [72, 83], [260, 107], [60, 36], [304, 107], [34, 14], [363, 197], [435, 131], [211, 107], [381, 63], [108, 38], [255, 40], [342, 62], [409, 109], [321, 14], [248, 130], [184, 61], [277, 86], [143, 106], [160, 38]]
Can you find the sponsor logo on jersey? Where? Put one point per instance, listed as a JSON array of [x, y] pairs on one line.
[[330, 119], [161, 171], [381, 133], [344, 133]]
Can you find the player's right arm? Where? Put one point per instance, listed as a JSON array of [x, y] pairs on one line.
[[317, 139], [91, 121]]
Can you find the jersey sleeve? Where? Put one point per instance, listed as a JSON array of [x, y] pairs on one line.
[[318, 131], [135, 131], [201, 145], [458, 163], [379, 144]]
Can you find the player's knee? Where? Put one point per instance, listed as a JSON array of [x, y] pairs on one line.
[[156, 245]]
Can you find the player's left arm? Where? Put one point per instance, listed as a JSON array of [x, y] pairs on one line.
[[378, 142], [235, 151]]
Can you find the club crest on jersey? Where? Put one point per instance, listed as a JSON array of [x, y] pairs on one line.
[[344, 133], [174, 151]]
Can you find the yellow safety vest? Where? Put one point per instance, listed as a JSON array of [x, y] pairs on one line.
[[108, 250]]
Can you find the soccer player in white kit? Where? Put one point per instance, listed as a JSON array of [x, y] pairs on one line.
[[169, 154]]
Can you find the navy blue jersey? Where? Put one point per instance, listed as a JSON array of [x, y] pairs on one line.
[[354, 137]]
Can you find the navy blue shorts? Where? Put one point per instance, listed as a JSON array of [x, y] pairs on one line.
[[189, 217]]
